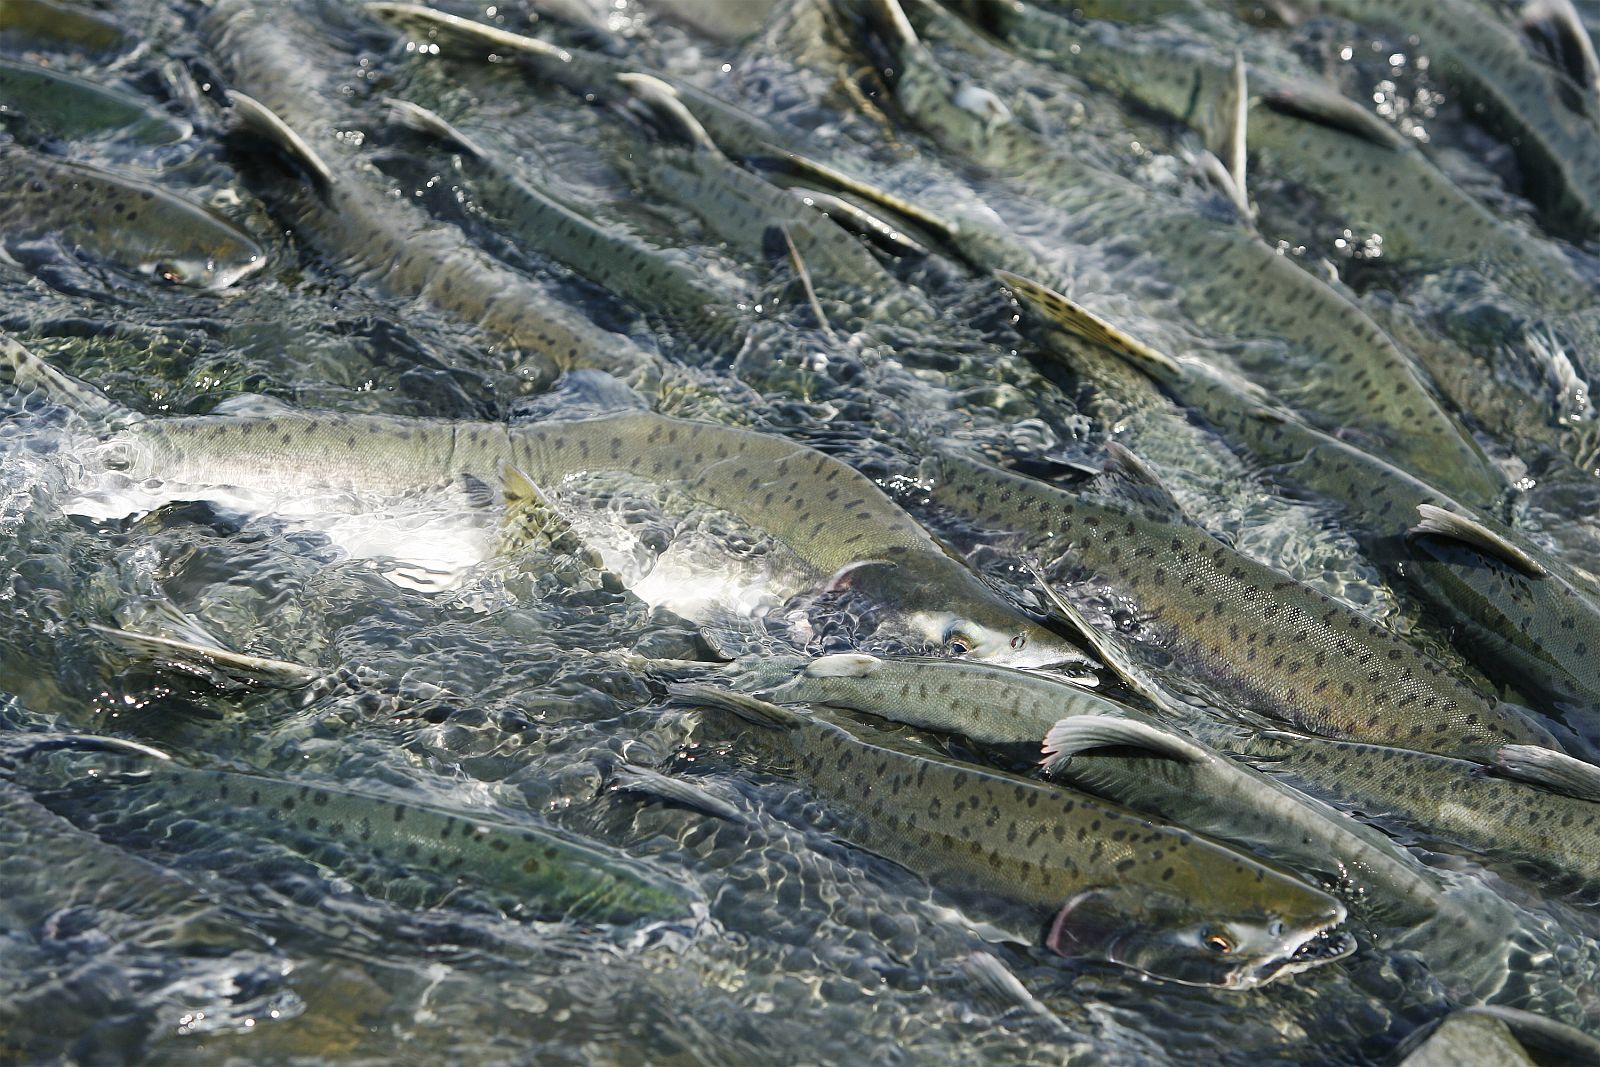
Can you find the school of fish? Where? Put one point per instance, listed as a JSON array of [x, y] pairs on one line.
[[794, 531]]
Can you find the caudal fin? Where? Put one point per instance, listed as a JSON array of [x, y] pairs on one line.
[[25, 372]]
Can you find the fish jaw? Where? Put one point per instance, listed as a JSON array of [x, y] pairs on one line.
[[1173, 939]]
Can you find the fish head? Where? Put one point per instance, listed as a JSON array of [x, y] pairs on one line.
[[1228, 944], [995, 634]]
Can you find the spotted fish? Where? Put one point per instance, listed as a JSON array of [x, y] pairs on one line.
[[1109, 749], [120, 221], [1222, 275], [842, 528], [1103, 882], [349, 216], [552, 875], [1302, 130], [62, 105], [1274, 644]]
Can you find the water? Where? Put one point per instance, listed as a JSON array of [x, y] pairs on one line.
[[136, 934]]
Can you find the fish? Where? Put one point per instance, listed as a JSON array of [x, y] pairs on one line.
[[349, 216], [1301, 129], [120, 221], [1103, 882], [845, 532], [551, 875], [1273, 644], [1483, 581], [1539, 630], [1222, 275], [658, 281], [45, 25], [68, 107], [1550, 121], [1102, 746]]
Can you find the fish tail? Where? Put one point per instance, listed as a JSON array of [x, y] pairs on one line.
[[26, 372], [749, 708]]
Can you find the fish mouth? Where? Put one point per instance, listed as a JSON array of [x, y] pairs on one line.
[[1325, 946]]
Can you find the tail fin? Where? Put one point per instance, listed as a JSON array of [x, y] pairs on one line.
[[749, 708], [26, 372]]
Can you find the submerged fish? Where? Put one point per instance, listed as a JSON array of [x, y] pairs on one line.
[[1520, 613], [551, 874], [1110, 750], [1103, 882], [1549, 117], [120, 221], [349, 216], [1274, 644], [1222, 275], [844, 531], [72, 108], [1304, 131]]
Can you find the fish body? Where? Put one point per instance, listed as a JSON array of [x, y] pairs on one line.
[[1301, 130], [1273, 643], [72, 108], [1111, 884], [552, 874], [349, 216], [123, 221], [1550, 122], [1185, 782], [1223, 276], [843, 529]]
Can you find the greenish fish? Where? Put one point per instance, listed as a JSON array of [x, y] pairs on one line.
[[1520, 613], [655, 280], [120, 221], [1103, 882], [1222, 275], [1302, 130], [350, 217], [46, 25], [551, 874], [71, 108], [1109, 749], [1276, 645], [1549, 117], [843, 529]]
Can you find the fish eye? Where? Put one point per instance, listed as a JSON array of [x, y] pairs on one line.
[[957, 643], [1218, 943], [1019, 642], [169, 273]]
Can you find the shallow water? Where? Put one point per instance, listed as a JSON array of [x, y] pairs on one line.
[[134, 933]]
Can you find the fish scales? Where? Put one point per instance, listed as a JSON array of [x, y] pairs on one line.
[[988, 835], [1389, 187], [354, 221], [557, 876], [1275, 644], [1227, 280], [133, 224]]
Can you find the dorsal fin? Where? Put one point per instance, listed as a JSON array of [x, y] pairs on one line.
[[1447, 524], [1315, 103], [251, 115], [842, 665], [1105, 647], [252, 405], [658, 105], [99, 743], [1570, 45], [1080, 733], [1081, 322], [749, 708], [1127, 477], [802, 274], [1555, 771], [490, 35], [530, 518], [191, 656], [1216, 172], [859, 220], [867, 191], [635, 779], [1230, 129], [418, 118]]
